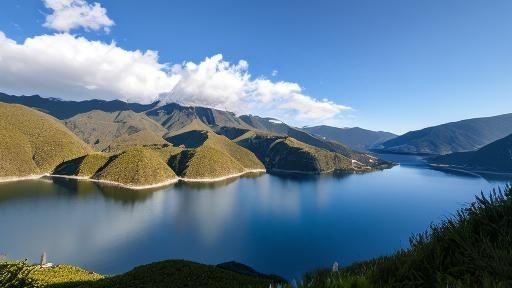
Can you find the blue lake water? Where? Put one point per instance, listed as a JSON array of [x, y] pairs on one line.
[[281, 225]]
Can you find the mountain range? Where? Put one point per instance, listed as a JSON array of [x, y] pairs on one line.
[[461, 136], [494, 157], [356, 138], [139, 145]]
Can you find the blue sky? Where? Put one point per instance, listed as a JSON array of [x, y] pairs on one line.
[[400, 65]]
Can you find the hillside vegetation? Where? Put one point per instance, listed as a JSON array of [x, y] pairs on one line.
[[165, 141], [134, 167], [470, 249], [32, 142], [285, 154], [494, 157], [208, 155], [168, 274]]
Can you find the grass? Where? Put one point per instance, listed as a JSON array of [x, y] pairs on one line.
[[136, 167], [208, 155], [168, 274], [473, 248], [32, 142], [20, 274]]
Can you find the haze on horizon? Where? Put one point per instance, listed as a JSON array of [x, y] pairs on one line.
[[382, 65]]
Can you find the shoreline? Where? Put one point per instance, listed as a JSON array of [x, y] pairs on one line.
[[207, 180], [21, 178], [140, 187], [113, 183], [469, 171]]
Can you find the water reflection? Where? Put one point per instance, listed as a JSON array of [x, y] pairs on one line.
[[274, 223]]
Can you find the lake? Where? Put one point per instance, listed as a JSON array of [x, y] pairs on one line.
[[275, 224]]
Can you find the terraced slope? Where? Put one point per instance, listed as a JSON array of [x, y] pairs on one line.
[[207, 155], [116, 131], [32, 142]]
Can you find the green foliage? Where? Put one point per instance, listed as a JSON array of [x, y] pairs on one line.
[[136, 167], [169, 274], [285, 154], [16, 274], [208, 155], [471, 249], [32, 142]]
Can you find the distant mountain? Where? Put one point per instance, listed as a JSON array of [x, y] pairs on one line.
[[176, 118], [266, 124], [115, 131], [355, 138], [494, 157], [461, 136], [33, 143], [63, 109]]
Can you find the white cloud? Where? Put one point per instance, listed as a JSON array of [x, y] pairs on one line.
[[71, 14], [218, 83], [71, 67], [274, 73]]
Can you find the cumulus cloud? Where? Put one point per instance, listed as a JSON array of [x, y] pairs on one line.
[[72, 67], [71, 14], [217, 83]]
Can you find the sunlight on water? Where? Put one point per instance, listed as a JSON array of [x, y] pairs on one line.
[[283, 225]]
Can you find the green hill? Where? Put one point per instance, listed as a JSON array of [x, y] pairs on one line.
[[285, 154], [168, 274], [281, 153], [278, 128], [461, 136], [134, 167], [116, 131], [494, 157], [207, 155], [32, 142]]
